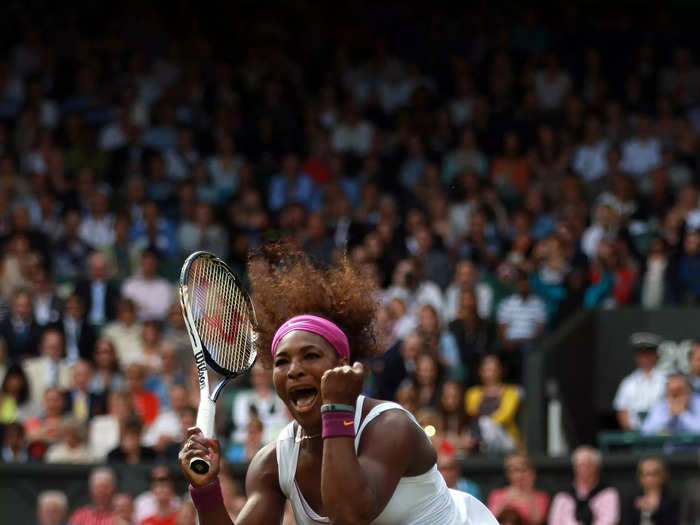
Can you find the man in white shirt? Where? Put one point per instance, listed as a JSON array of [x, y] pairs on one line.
[[166, 428], [49, 369], [152, 294], [641, 153], [590, 158], [642, 389]]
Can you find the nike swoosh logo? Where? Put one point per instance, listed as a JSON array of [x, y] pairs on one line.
[[348, 423]]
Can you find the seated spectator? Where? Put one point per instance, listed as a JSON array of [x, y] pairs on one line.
[[642, 152], [146, 504], [409, 285], [655, 504], [80, 402], [161, 505], [46, 302], [69, 251], [145, 403], [15, 403], [51, 508], [130, 450], [72, 447], [97, 227], [688, 279], [99, 293], [642, 389], [202, 233], [588, 500], [466, 277], [20, 331], [494, 405], [104, 430], [102, 485], [449, 468], [169, 373], [261, 402], [694, 367], [151, 294], [253, 442], [656, 290], [153, 231], [14, 445], [79, 335], [471, 332], [677, 413], [521, 318], [590, 157], [440, 343], [510, 171], [107, 376], [49, 369], [123, 505], [188, 419], [291, 186], [520, 494], [427, 378], [44, 429], [166, 427], [125, 332], [453, 422], [393, 366]]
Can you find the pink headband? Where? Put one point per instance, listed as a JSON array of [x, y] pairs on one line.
[[317, 325]]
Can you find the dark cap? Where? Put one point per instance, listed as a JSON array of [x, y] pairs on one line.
[[642, 341]]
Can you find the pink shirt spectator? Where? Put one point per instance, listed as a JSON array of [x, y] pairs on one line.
[[522, 507], [90, 516], [605, 506]]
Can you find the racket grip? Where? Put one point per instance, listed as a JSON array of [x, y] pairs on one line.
[[205, 422]]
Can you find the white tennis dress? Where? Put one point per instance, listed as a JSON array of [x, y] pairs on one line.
[[417, 500]]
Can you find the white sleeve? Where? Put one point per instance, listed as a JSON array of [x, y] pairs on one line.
[[622, 401]]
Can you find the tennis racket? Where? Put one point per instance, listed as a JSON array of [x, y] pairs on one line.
[[219, 317]]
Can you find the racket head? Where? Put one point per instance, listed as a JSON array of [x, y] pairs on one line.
[[221, 311]]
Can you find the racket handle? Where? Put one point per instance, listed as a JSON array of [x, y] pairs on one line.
[[205, 422]]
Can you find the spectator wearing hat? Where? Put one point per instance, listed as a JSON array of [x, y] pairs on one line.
[[640, 390], [677, 413]]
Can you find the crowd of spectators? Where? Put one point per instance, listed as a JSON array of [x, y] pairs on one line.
[[492, 173]]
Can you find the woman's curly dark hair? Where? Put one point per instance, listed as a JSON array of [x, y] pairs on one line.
[[285, 283]]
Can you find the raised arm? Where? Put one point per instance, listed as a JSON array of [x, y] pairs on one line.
[[265, 503], [355, 488]]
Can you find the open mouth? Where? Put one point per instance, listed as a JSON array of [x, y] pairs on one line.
[[303, 398]]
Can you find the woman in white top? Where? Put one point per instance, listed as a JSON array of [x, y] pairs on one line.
[[345, 459]]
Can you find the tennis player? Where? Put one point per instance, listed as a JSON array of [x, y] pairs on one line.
[[346, 458]]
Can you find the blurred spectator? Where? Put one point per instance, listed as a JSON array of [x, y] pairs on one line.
[[169, 373], [521, 318], [69, 251], [107, 376], [80, 402], [145, 403], [643, 388], [694, 367], [588, 500], [97, 228], [494, 405], [262, 402], [125, 332], [677, 413], [14, 444], [655, 504], [471, 332], [72, 447], [47, 305], [49, 369], [188, 418], [394, 365], [520, 495], [203, 233], [466, 278], [98, 292], [449, 468], [15, 402], [51, 508], [79, 335], [656, 290], [151, 341], [510, 517], [453, 422], [104, 430], [102, 485], [690, 505], [688, 266], [123, 505], [44, 429], [159, 505], [642, 152], [130, 450], [291, 186], [409, 285], [590, 160], [441, 343], [20, 331], [243, 452], [151, 294], [426, 379], [165, 429]]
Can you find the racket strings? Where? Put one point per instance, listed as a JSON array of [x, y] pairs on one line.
[[221, 315]]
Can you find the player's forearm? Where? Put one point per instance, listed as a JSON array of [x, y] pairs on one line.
[[347, 497]]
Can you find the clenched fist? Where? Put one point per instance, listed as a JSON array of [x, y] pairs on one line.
[[342, 384]]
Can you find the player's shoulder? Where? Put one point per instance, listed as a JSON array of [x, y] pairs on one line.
[[393, 415], [263, 467]]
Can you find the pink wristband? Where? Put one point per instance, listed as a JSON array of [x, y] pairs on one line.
[[207, 497], [337, 423]]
